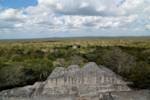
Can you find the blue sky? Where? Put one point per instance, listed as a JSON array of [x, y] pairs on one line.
[[68, 18], [17, 3]]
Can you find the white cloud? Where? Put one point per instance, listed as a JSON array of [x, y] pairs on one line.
[[81, 7], [77, 15], [147, 27], [11, 14], [132, 4], [93, 7]]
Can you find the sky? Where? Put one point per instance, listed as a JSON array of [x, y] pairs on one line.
[[73, 18]]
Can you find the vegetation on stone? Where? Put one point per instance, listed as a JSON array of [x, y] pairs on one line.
[[25, 62], [91, 82]]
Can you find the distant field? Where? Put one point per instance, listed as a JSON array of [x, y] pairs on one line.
[[24, 62], [84, 41]]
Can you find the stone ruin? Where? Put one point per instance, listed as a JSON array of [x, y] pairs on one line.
[[92, 82], [83, 81]]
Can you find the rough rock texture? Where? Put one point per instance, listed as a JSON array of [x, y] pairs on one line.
[[91, 82], [132, 95], [88, 80]]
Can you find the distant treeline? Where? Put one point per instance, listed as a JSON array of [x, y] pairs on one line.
[[23, 63]]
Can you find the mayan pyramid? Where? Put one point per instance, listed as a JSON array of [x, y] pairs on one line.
[[88, 80]]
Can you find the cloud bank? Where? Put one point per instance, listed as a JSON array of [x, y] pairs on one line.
[[127, 17]]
